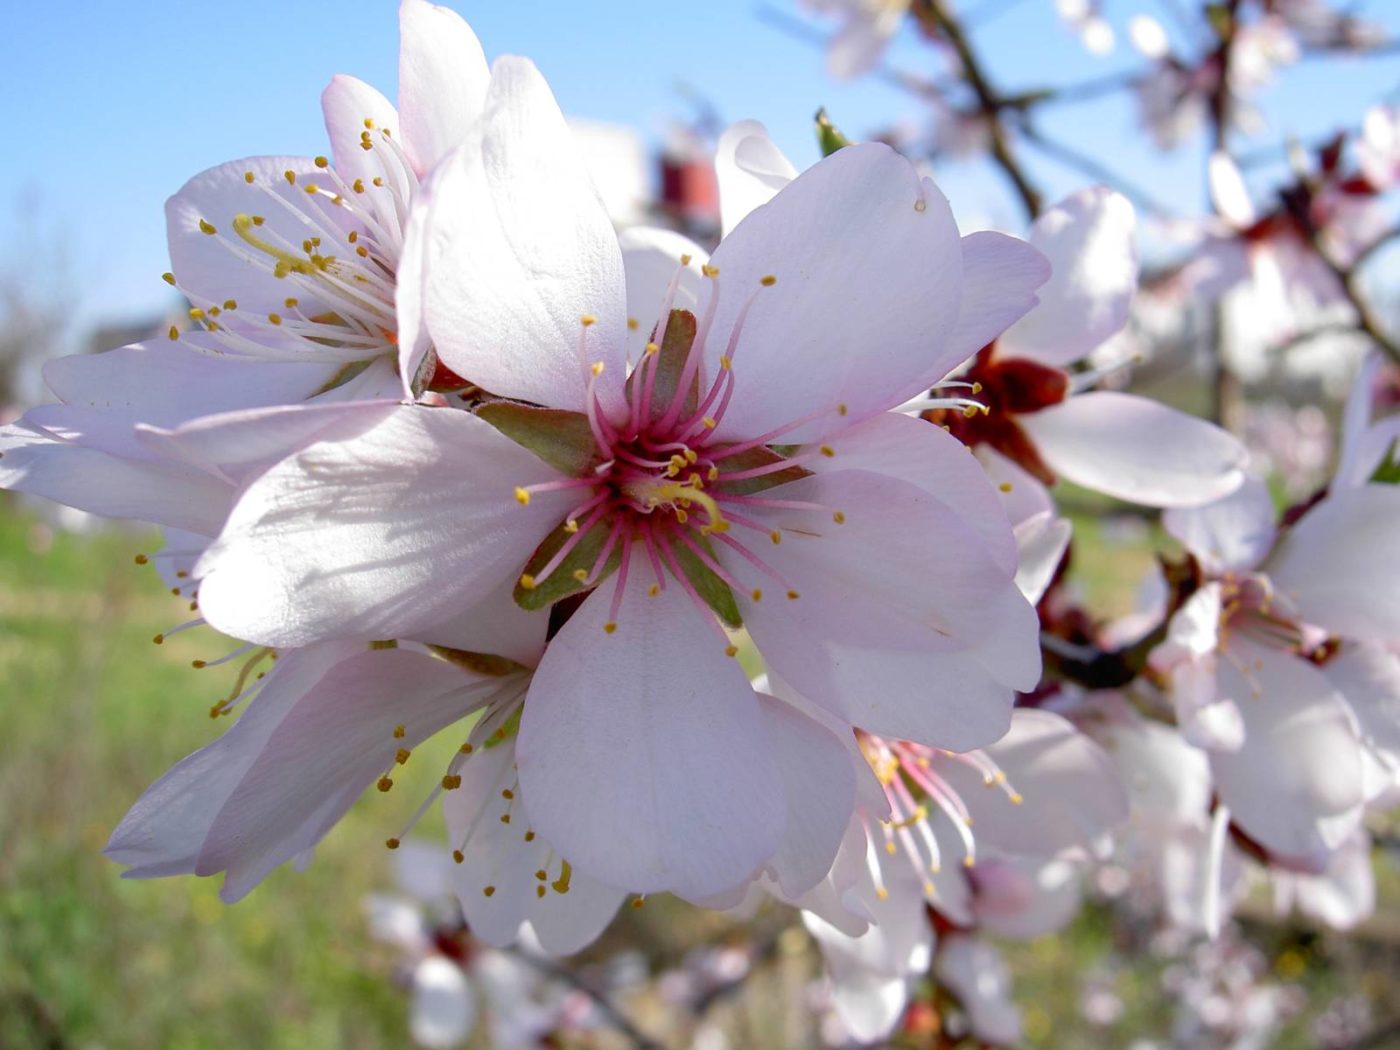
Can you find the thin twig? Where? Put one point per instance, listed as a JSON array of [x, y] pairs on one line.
[[616, 1018]]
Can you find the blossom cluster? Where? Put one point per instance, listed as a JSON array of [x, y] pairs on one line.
[[737, 574]]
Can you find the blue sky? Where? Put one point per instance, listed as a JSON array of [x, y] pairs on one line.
[[112, 106]]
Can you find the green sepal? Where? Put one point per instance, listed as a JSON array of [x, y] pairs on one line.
[[757, 457], [669, 363], [562, 439], [1387, 471], [481, 663], [561, 582], [829, 136], [714, 591]]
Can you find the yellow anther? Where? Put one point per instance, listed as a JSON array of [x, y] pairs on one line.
[[358, 185], [290, 303], [141, 559], [159, 639], [637, 902], [882, 893], [248, 177], [362, 252], [597, 368], [400, 731], [776, 537], [522, 496], [540, 891], [529, 836], [214, 311], [402, 755], [1017, 799], [920, 204], [633, 324], [286, 261], [198, 665], [842, 409], [168, 278], [793, 596], [230, 304], [970, 411], [652, 348], [827, 451], [571, 526], [976, 388], [312, 188], [505, 818], [731, 650], [466, 749], [1005, 486], [654, 590], [507, 794], [890, 848], [458, 856], [527, 581], [290, 176], [378, 180], [488, 890], [451, 781], [757, 594], [724, 362], [609, 627], [392, 843], [353, 236], [588, 320], [274, 318], [207, 227], [685, 259], [561, 884], [369, 122], [322, 162], [384, 783], [712, 474], [709, 423], [196, 314], [968, 862], [768, 280], [174, 333], [709, 271], [839, 517]]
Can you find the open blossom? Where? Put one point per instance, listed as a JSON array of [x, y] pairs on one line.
[[297, 271], [741, 472], [982, 841], [1042, 421]]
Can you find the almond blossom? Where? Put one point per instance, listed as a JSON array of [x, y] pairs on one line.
[[743, 471]]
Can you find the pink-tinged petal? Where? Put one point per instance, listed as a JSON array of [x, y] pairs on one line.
[[1088, 239], [1069, 790], [213, 263], [499, 855], [350, 108], [1339, 564], [974, 971], [650, 258], [1228, 192], [1022, 495], [866, 254], [819, 783], [443, 79], [1296, 785], [1137, 450], [521, 249], [750, 170], [336, 740], [377, 535], [496, 625], [1342, 895], [165, 384], [912, 450], [643, 754], [903, 624], [1023, 898], [443, 1009], [1000, 278], [1041, 543], [858, 46], [235, 446], [1206, 718], [1234, 533], [870, 974], [410, 291], [164, 831], [1368, 677], [112, 486]]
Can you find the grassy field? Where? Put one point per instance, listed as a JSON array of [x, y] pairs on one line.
[[92, 712]]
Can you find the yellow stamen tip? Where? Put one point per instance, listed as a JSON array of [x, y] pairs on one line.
[[839, 518], [322, 162], [588, 320], [522, 496], [731, 650], [597, 368], [710, 271], [458, 856], [207, 227], [488, 890], [384, 784], [609, 627], [527, 581], [768, 280], [392, 843], [1005, 486], [685, 259]]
